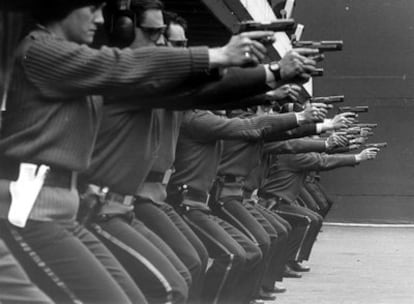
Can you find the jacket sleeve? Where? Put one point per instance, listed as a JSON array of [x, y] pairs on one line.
[[63, 69], [294, 146], [301, 131], [319, 161], [204, 125]]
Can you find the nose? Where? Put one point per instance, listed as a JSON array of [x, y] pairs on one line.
[[98, 16], [161, 41]]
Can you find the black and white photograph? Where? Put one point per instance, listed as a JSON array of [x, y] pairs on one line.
[[206, 152]]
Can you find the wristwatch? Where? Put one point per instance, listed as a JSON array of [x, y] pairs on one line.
[[274, 67]]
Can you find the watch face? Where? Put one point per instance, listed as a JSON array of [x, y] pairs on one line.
[[274, 66]]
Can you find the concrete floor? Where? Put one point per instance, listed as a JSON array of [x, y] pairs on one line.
[[354, 265]]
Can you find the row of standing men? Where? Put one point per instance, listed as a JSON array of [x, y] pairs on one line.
[[153, 194]]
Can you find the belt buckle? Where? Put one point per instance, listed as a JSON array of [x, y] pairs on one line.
[[99, 191], [128, 200], [167, 176]]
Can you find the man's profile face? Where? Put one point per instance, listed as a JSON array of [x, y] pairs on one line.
[[176, 35], [150, 32], [81, 24]]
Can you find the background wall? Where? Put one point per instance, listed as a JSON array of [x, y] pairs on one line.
[[376, 69]]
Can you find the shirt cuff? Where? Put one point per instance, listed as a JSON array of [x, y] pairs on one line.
[[270, 77], [324, 126]]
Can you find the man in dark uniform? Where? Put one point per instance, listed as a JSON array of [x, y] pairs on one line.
[[198, 154], [285, 179]]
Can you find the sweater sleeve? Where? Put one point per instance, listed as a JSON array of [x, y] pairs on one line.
[[63, 69], [223, 93]]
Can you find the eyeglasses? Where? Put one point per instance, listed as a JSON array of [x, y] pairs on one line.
[[178, 43], [154, 33]]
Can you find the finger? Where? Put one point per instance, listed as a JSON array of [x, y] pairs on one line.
[[294, 93], [306, 51], [304, 77], [309, 68], [307, 61], [317, 58], [293, 98], [257, 53], [254, 60], [258, 46], [257, 34], [348, 114], [295, 88]]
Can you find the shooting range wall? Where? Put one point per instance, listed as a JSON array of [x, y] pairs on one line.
[[376, 68]]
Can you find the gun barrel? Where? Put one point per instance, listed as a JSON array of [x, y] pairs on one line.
[[376, 145], [276, 26], [328, 99], [317, 73], [357, 109], [366, 125], [323, 46]]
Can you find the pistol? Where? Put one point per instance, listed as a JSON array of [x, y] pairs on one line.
[[322, 46], [317, 73], [356, 109], [353, 131], [328, 99], [376, 145], [275, 26]]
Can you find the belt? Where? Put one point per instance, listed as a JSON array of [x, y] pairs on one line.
[[247, 194], [112, 197], [55, 177], [229, 178], [278, 199], [190, 193], [159, 177]]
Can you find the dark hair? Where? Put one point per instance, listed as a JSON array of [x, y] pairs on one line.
[[54, 10], [140, 6], [171, 17]]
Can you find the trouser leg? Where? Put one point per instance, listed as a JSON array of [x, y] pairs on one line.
[[299, 227], [15, 285], [151, 263], [61, 265], [309, 201], [320, 197], [233, 211], [171, 228], [277, 246], [235, 258], [108, 260], [314, 225], [283, 230]]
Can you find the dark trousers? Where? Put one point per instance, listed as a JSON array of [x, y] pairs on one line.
[[300, 216], [235, 258], [279, 260], [173, 230], [153, 265], [245, 218], [15, 285], [297, 223], [308, 201], [317, 192], [69, 264]]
